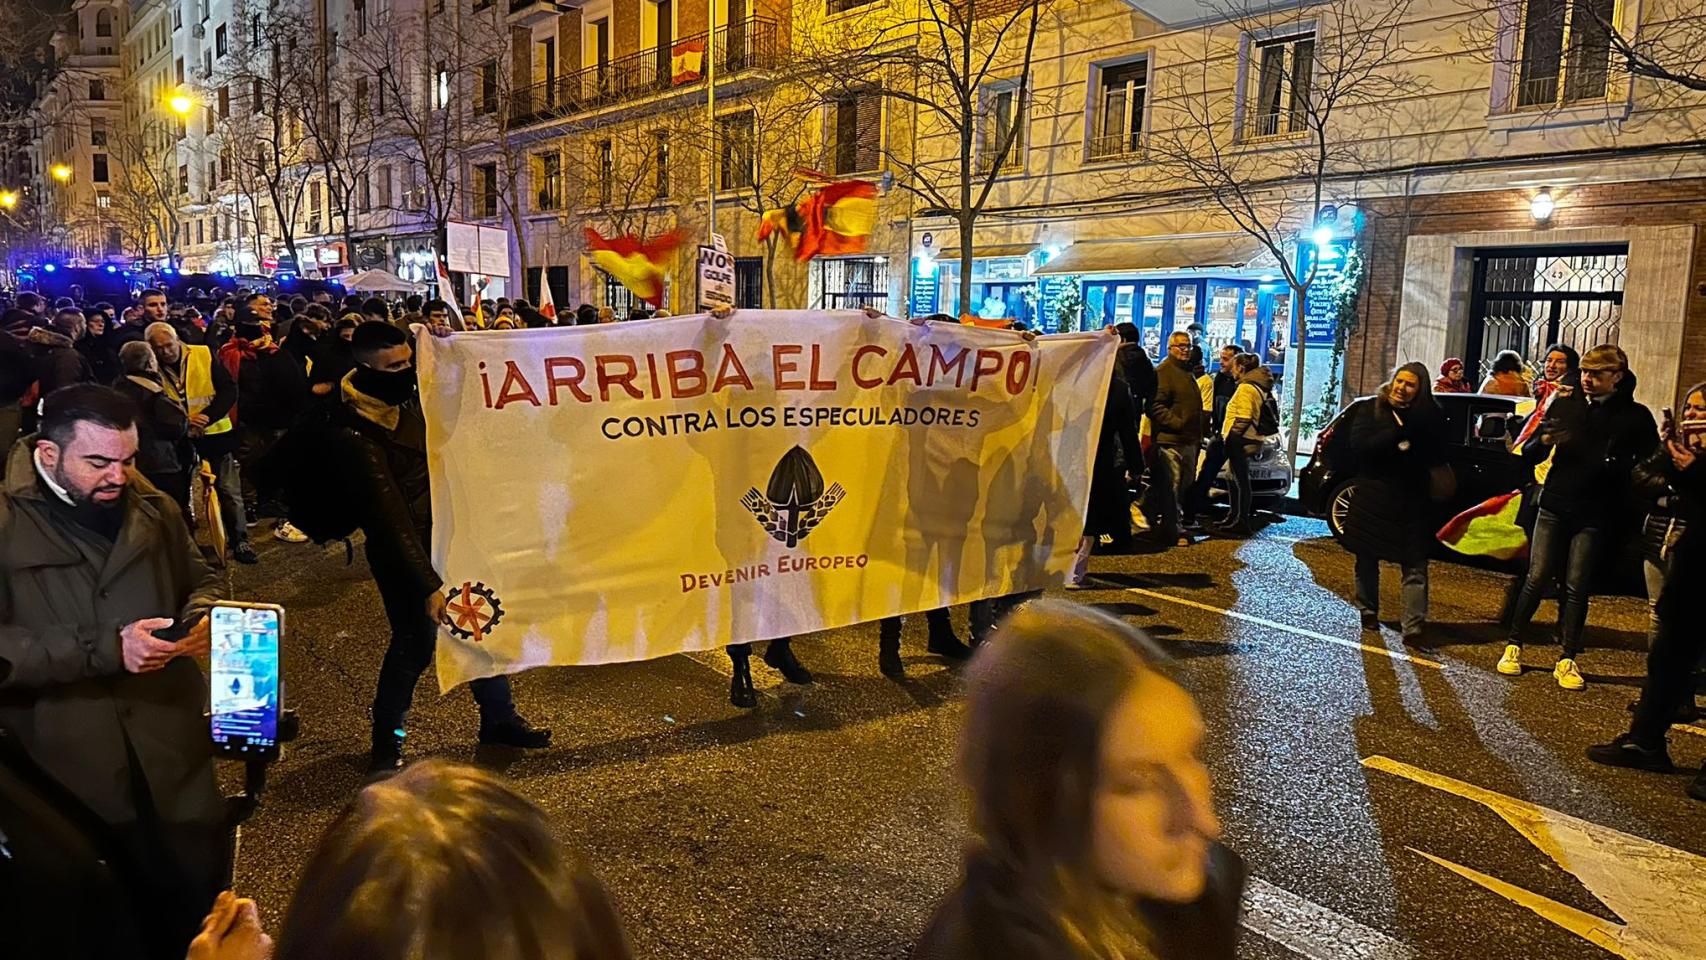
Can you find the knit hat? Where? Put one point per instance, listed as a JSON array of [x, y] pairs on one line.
[[1446, 367]]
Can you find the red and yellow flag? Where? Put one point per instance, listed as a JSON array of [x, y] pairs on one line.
[[687, 62], [637, 265], [1488, 529], [835, 219]]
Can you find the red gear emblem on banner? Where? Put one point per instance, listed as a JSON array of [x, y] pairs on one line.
[[473, 610]]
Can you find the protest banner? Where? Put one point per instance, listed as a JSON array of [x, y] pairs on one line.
[[633, 490]]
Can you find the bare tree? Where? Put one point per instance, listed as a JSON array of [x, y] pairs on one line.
[[1272, 165], [339, 126], [953, 66], [149, 188], [270, 84]]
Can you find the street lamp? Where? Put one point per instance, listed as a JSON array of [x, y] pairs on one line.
[[8, 199], [62, 172], [181, 104]]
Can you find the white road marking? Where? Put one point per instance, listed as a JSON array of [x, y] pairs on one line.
[[1308, 929], [1288, 628], [1657, 890]]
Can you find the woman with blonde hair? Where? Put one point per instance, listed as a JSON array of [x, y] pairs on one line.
[[1093, 830]]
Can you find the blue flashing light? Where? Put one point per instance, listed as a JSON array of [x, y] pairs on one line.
[[49, 267], [111, 268], [167, 271]]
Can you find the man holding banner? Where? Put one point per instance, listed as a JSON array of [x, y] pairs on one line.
[[632, 491]]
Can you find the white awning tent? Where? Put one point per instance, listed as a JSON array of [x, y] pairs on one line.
[[379, 281], [1231, 251]]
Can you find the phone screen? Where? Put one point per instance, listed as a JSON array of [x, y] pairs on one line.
[[245, 680]]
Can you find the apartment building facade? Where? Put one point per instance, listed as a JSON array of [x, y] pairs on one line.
[[1508, 187], [77, 118]]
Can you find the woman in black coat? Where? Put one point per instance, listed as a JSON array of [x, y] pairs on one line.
[[1118, 452], [1399, 442]]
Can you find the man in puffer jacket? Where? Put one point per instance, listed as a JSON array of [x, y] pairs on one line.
[[1596, 438]]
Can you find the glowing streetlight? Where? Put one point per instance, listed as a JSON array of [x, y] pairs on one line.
[[181, 104], [62, 172], [8, 199]]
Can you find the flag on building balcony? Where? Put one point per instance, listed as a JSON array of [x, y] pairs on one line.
[[547, 306], [447, 293], [835, 219], [686, 62], [636, 264], [1488, 529]]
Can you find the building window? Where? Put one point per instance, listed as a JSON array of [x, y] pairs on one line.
[[255, 29], [180, 70], [735, 155], [219, 45], [225, 163], [548, 167], [660, 164], [604, 160], [361, 97], [206, 64], [212, 177], [360, 18], [97, 89], [183, 179], [103, 23], [440, 87], [1003, 128], [1566, 52], [486, 190], [255, 95], [486, 88], [1121, 96], [100, 174], [858, 133], [1278, 85], [842, 6], [104, 200], [363, 194], [200, 231], [382, 178], [382, 86], [178, 17], [314, 207], [97, 132], [224, 102]]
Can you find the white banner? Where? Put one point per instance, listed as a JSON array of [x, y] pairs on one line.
[[633, 490]]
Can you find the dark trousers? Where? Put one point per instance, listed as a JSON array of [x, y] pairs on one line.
[[413, 638], [254, 444], [1219, 453], [1671, 661], [1560, 545], [940, 622], [220, 452], [177, 486], [985, 614]]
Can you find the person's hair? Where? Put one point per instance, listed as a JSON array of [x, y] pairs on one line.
[[135, 356], [1178, 335], [78, 403], [1508, 361], [1128, 332], [65, 319], [375, 307], [317, 311], [252, 297], [1606, 356], [349, 321], [1699, 388], [151, 292], [413, 302], [30, 300], [1235, 348], [159, 326], [1245, 362], [1039, 698], [433, 306], [372, 336], [1571, 357], [447, 862], [1424, 379]]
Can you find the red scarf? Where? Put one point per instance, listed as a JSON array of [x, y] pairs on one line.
[[236, 350]]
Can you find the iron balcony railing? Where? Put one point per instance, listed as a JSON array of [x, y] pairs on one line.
[[752, 44]]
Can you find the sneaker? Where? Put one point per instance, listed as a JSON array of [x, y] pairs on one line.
[[1370, 620], [387, 755], [1511, 663], [1568, 676], [289, 534], [515, 732], [1626, 751], [244, 551]]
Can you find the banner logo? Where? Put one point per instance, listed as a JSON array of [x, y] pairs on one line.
[[795, 502], [473, 611]]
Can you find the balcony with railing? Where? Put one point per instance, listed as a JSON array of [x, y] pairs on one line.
[[739, 47]]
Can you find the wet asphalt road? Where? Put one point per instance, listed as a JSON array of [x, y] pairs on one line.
[[825, 823]]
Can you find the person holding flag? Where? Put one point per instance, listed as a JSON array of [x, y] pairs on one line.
[[547, 306], [636, 264]]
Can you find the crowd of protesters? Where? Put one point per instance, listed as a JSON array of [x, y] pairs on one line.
[[103, 746]]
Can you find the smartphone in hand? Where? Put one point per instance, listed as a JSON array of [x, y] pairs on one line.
[[245, 679]]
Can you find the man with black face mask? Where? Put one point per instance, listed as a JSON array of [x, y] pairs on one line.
[[98, 678], [387, 464]]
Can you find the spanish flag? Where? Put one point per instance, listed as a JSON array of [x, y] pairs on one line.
[[1488, 529], [638, 266], [836, 219], [687, 62]]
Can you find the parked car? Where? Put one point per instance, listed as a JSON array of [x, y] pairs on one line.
[[1271, 476], [1476, 427]]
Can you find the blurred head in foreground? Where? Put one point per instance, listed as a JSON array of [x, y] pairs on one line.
[[447, 862], [1087, 790]]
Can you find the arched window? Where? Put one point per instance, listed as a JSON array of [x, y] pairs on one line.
[[103, 23]]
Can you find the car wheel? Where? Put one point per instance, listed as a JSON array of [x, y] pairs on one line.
[[1339, 509]]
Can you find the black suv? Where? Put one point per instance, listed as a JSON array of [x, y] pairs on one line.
[[1476, 428]]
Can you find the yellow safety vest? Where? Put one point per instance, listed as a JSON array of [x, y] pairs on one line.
[[197, 366]]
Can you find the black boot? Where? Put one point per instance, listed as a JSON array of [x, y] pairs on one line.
[[515, 732], [741, 693], [888, 649], [780, 656], [944, 643], [387, 755], [1626, 751]]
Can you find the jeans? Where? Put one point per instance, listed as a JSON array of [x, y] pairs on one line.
[[220, 452], [1413, 580], [413, 638], [1220, 452], [1176, 469], [1654, 572], [1558, 540]]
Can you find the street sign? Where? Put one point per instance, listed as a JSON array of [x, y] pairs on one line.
[[717, 241], [716, 278]]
